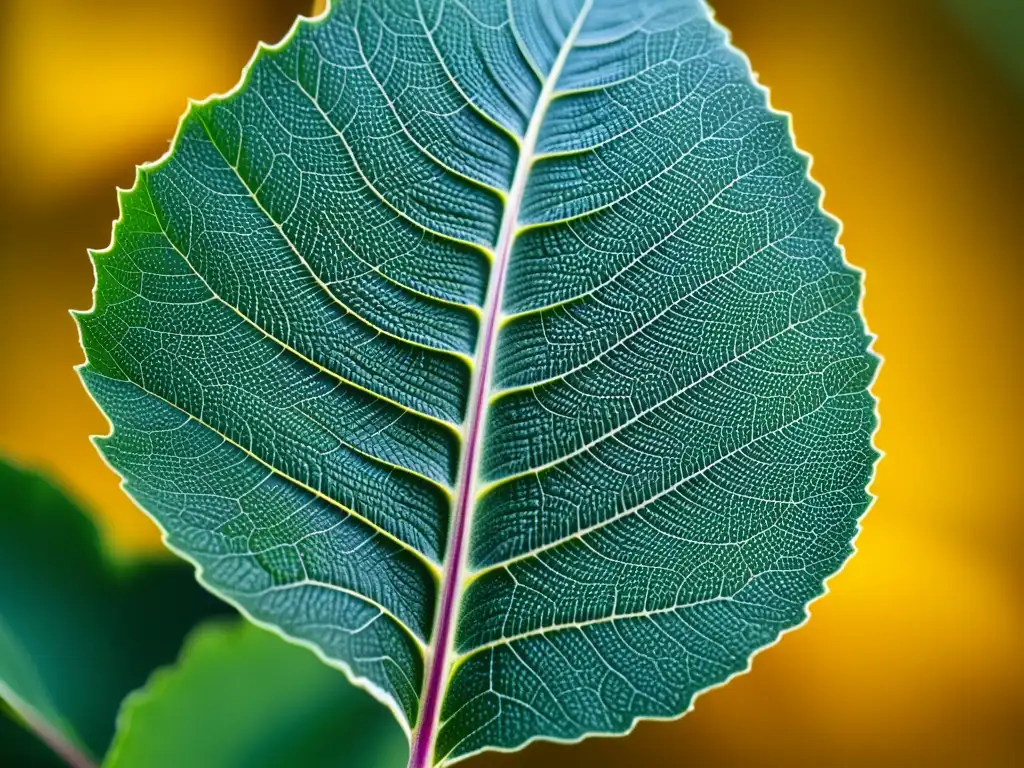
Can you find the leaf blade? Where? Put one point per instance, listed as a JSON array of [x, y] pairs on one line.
[[678, 395]]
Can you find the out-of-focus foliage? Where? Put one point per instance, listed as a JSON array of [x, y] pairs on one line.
[[241, 697], [77, 631], [87, 90], [998, 26]]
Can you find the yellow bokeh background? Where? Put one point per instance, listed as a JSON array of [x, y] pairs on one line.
[[915, 656]]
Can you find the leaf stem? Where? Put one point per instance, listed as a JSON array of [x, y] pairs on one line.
[[424, 740]]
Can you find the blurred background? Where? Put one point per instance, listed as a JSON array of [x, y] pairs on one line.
[[914, 113]]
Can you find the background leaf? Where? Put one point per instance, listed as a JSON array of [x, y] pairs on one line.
[[997, 26], [27, 706], [241, 697], [85, 630]]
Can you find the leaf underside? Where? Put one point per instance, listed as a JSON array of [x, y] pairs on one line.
[[576, 223]]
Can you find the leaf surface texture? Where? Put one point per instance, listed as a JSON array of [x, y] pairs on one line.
[[509, 337]]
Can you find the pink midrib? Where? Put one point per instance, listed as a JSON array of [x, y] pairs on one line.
[[423, 743], [422, 752]]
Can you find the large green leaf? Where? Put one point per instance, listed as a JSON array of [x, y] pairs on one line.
[[77, 632], [501, 352], [240, 697]]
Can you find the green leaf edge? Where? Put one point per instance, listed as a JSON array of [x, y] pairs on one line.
[[208, 639], [262, 49], [879, 453], [156, 684]]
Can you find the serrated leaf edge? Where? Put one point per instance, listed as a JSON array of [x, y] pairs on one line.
[[378, 693], [262, 49], [879, 453]]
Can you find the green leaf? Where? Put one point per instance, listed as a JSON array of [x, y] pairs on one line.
[[78, 632], [997, 26], [240, 697], [500, 351]]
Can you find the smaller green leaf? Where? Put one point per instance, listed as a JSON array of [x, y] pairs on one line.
[[78, 632], [241, 696], [997, 27]]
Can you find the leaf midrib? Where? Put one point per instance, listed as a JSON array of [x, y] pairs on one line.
[[452, 587]]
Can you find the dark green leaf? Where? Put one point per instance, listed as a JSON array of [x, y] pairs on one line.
[[998, 28], [77, 631]]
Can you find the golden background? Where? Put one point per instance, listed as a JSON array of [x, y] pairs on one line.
[[918, 136]]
